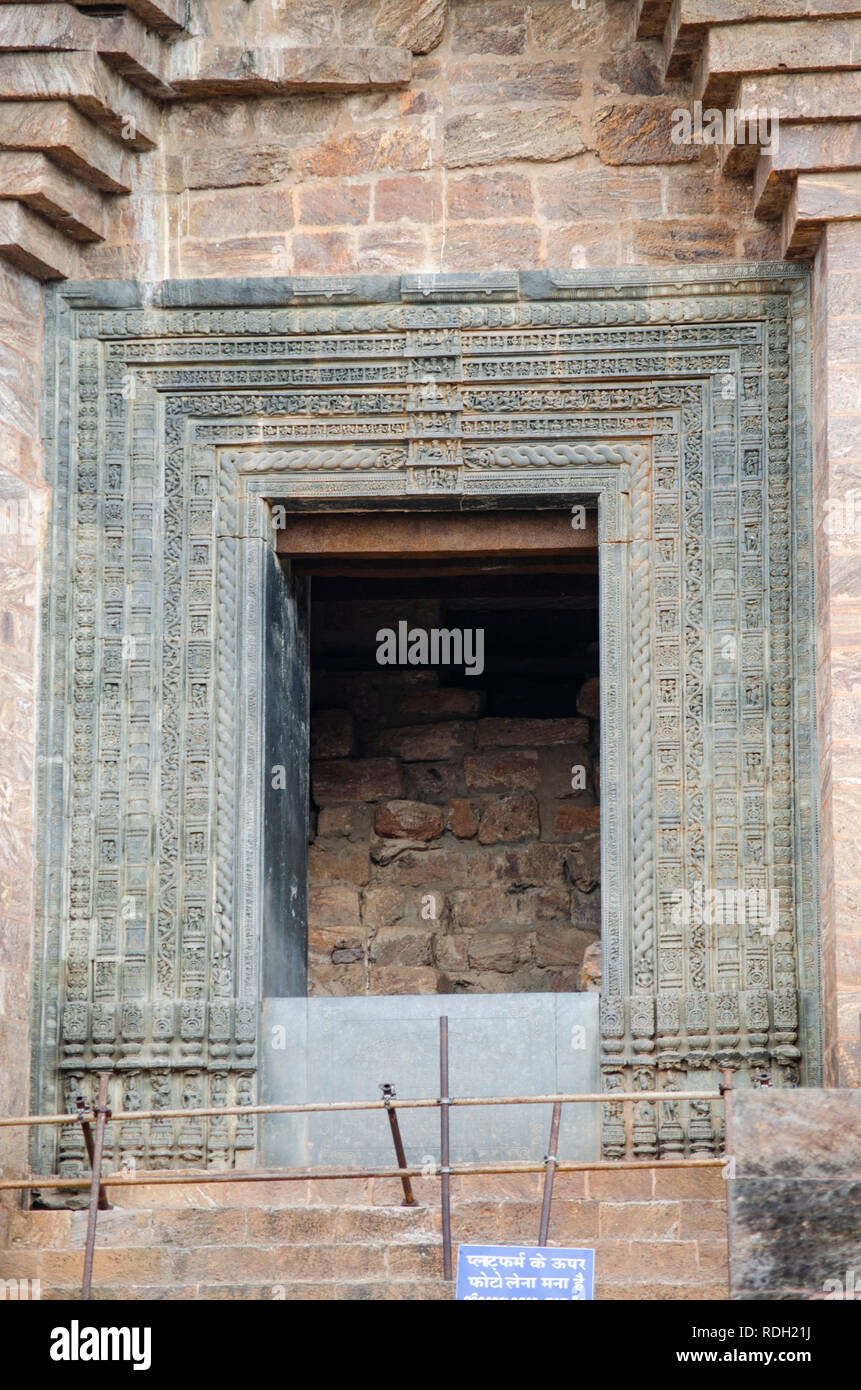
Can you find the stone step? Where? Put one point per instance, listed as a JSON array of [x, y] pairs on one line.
[[30, 243], [656, 1234], [397, 1290], [69, 139], [229, 1226], [737, 50], [831, 145], [122, 41], [84, 80], [44, 187]]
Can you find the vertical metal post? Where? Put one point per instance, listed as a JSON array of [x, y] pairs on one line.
[[388, 1096], [83, 1111], [725, 1088], [96, 1192], [444, 1153], [549, 1171]]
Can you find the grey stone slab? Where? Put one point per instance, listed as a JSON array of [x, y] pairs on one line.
[[793, 1233], [344, 1049], [794, 1206], [797, 1133]]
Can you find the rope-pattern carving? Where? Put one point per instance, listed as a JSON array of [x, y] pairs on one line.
[[225, 734], [641, 712], [528, 455], [330, 460]]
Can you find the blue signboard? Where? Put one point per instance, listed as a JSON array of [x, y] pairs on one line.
[[525, 1271]]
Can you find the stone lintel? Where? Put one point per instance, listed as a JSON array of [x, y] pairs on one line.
[[432, 536]]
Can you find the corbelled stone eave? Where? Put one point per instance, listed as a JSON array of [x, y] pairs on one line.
[[89, 84], [690, 22], [84, 91], [47, 189], [749, 50], [69, 139], [124, 42], [797, 65], [199, 68], [810, 148], [32, 244]]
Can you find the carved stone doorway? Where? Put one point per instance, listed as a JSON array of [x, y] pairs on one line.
[[179, 417]]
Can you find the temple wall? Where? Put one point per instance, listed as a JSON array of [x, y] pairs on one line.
[[837, 460], [474, 137], [531, 135], [22, 498]]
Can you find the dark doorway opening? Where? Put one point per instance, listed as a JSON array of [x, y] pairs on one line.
[[454, 821]]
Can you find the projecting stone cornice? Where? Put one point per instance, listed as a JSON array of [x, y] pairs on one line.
[[799, 64], [198, 68], [85, 91]]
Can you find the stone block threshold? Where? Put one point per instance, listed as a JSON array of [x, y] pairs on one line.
[[657, 1235]]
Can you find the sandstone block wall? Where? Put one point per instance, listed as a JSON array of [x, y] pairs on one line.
[[657, 1235], [794, 1201], [22, 507], [837, 459], [532, 135], [526, 135], [450, 852]]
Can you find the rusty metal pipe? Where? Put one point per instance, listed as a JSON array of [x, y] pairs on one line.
[[388, 1096], [726, 1092], [96, 1194], [157, 1179], [549, 1169], [89, 1145], [326, 1107], [444, 1153]]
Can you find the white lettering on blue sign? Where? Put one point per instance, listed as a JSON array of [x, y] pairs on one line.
[[525, 1271]]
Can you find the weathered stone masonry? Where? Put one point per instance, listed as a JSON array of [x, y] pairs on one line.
[[256, 153], [457, 858]]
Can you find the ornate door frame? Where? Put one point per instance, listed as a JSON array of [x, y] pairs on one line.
[[177, 415]]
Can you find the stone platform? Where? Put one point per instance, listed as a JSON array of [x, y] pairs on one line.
[[657, 1235]]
